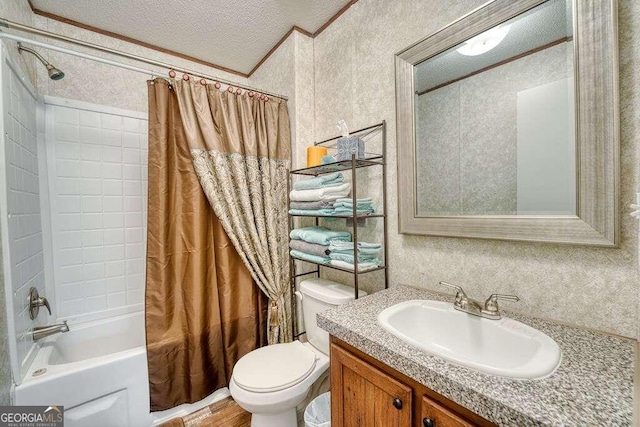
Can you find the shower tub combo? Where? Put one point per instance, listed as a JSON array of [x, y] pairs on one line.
[[98, 372]]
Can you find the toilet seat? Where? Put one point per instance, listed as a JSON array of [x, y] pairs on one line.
[[274, 367]]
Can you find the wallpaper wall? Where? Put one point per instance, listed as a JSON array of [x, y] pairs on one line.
[[587, 286], [354, 80], [289, 72], [592, 287]]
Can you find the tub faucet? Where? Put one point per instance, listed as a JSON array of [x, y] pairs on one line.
[[40, 332], [488, 310]]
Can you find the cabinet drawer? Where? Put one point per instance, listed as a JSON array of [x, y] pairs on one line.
[[436, 415]]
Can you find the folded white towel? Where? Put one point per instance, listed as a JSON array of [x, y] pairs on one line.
[[362, 266], [320, 193]]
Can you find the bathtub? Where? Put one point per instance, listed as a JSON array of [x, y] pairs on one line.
[[98, 372]]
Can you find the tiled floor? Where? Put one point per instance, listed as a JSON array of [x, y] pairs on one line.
[[225, 413]]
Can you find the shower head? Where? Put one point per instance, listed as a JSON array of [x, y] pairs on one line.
[[54, 73]]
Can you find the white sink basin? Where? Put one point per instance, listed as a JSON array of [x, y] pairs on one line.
[[502, 347]]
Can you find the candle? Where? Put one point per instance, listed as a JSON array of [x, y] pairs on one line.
[[314, 155]]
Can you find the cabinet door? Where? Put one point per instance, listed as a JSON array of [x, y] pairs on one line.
[[364, 396], [436, 415]]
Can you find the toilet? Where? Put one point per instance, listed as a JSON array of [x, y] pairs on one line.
[[272, 381]]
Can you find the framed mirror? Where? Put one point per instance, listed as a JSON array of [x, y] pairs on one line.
[[508, 127]]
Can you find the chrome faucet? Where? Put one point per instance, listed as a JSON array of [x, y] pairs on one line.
[[488, 310], [40, 332]]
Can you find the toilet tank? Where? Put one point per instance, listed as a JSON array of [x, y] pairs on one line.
[[319, 295]]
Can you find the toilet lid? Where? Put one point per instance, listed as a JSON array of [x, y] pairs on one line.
[[274, 367]]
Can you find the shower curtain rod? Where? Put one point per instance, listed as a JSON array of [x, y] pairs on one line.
[[16, 26]]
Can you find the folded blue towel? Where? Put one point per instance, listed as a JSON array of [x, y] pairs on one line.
[[364, 253], [365, 200], [340, 210], [351, 259], [349, 245], [328, 159], [311, 212], [319, 235], [364, 248], [329, 180], [363, 206], [350, 205], [310, 257]]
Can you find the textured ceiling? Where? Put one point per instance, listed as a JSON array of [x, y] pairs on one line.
[[231, 33], [542, 25]]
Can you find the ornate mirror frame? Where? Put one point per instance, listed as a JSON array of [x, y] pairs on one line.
[[597, 132]]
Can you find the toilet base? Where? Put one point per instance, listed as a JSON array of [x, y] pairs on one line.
[[280, 419]]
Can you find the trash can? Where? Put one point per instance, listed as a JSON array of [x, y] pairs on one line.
[[318, 412]]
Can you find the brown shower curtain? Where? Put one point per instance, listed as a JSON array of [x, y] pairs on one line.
[[203, 310]]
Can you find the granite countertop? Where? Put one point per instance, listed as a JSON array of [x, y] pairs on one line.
[[592, 386]]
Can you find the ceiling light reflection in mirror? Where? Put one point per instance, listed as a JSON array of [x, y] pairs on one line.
[[483, 43]]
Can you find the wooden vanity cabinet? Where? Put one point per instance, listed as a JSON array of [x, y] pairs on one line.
[[363, 396], [367, 393]]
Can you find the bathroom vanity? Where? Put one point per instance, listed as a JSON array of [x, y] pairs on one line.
[[378, 379], [367, 392]]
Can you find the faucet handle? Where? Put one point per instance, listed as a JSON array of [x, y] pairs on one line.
[[460, 293], [35, 302], [45, 302], [491, 304]]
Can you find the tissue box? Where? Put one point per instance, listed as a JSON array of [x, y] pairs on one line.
[[347, 146]]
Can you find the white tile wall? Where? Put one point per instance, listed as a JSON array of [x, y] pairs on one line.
[[98, 185], [21, 222]]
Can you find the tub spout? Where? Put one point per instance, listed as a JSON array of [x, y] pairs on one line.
[[40, 332]]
